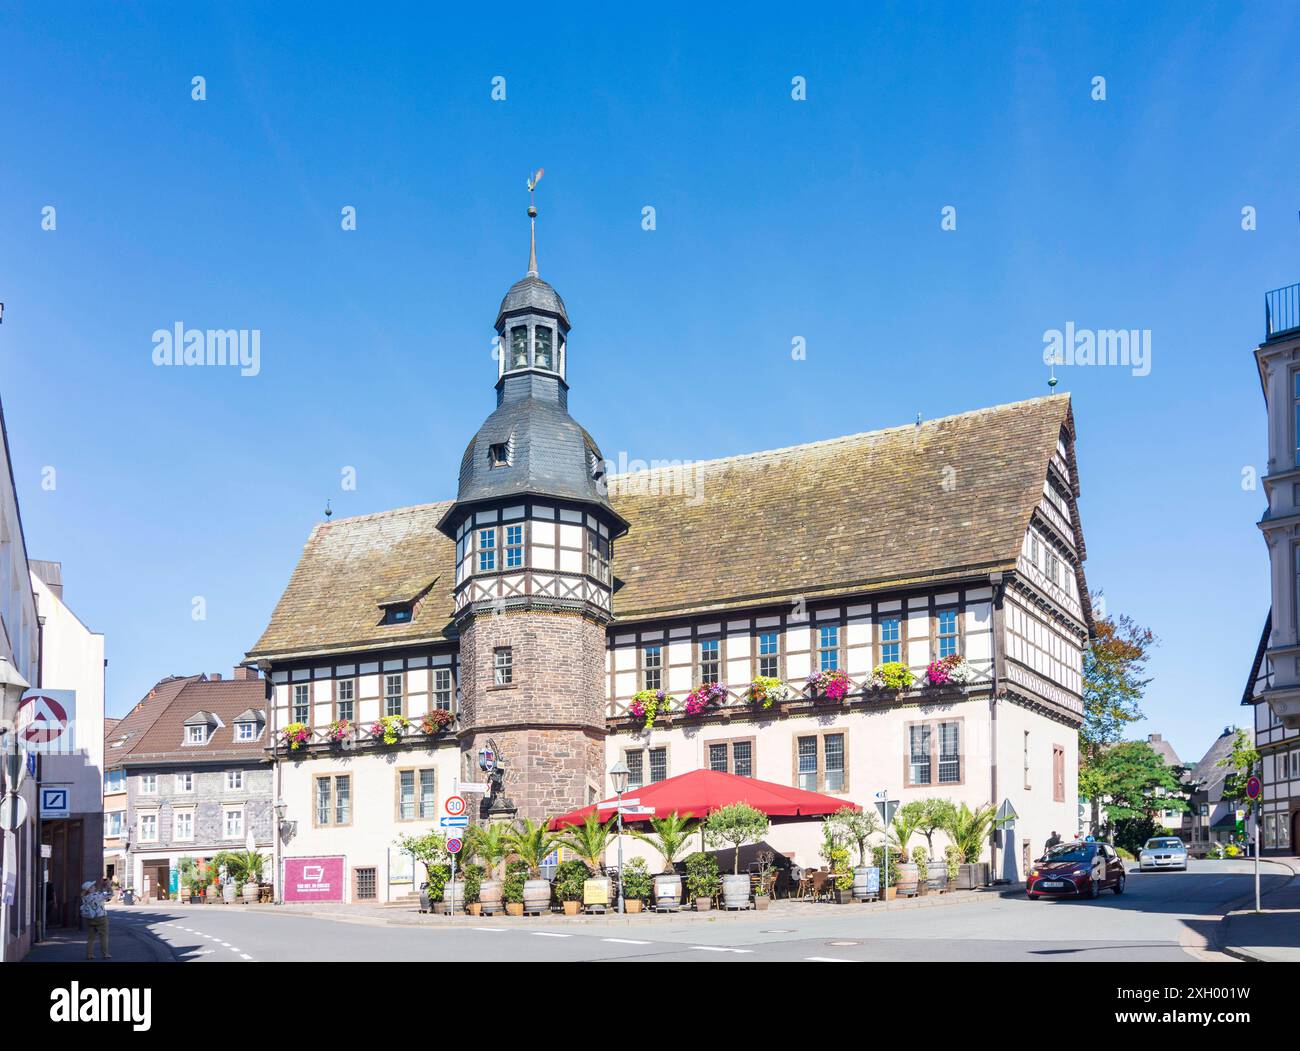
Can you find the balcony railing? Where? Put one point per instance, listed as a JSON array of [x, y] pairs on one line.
[[1281, 312]]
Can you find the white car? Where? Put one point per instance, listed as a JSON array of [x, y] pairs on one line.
[[1164, 852]]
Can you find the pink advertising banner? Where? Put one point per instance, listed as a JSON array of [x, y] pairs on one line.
[[313, 879]]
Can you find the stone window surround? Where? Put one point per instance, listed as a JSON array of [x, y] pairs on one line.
[[935, 746], [820, 735], [333, 800], [730, 743], [415, 772], [645, 764]]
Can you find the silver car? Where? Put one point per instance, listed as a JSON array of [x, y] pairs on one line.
[[1163, 852]]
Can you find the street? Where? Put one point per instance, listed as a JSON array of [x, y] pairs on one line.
[[1162, 917]]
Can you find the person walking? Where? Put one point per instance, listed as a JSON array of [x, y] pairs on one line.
[[96, 917], [1053, 840]]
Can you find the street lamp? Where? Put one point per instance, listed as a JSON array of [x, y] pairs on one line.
[[618, 774]]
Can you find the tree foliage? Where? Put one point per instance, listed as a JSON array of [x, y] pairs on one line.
[[857, 827], [1241, 763], [1138, 782], [734, 826], [670, 837]]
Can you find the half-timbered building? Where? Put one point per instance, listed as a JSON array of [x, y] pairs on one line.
[[533, 608]]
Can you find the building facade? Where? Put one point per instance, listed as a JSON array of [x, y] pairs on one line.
[[196, 779], [534, 607], [71, 667], [1273, 688]]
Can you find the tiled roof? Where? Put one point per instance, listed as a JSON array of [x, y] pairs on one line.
[[1260, 671], [1208, 769], [226, 700], [131, 728], [942, 499]]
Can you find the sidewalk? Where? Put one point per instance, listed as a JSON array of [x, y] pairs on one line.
[[1270, 936], [127, 942], [380, 915]]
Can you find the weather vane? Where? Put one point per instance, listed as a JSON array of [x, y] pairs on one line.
[[533, 180]]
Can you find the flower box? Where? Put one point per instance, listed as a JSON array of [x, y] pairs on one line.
[[296, 735], [892, 675], [390, 728], [435, 721], [832, 684], [702, 698], [647, 704], [765, 691], [949, 671]]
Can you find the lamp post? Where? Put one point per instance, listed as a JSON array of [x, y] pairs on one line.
[[281, 808], [618, 774]]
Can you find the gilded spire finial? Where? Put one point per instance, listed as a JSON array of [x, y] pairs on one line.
[[533, 180]]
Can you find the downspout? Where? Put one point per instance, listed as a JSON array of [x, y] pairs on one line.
[[264, 667], [999, 626]]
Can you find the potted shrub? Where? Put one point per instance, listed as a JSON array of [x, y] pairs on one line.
[[187, 876], [766, 877], [952, 865], [921, 861], [832, 684], [734, 826], [892, 675], [886, 864], [702, 880], [245, 868], [296, 735], [670, 838], [569, 879], [433, 722], [902, 830], [969, 831], [856, 827], [646, 704], [512, 887], [706, 696], [532, 842], [636, 884], [835, 853], [766, 691], [389, 728], [429, 849]]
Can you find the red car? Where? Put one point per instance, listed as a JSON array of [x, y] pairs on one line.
[[1076, 870]]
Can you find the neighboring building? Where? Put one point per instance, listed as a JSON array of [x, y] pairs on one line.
[[1279, 752], [71, 667], [1274, 685], [534, 605], [1171, 819], [1210, 818], [118, 742], [20, 645], [197, 777]]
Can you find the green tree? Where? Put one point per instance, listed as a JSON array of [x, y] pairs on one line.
[[670, 837], [969, 830], [1241, 763], [589, 840], [735, 825], [858, 826], [1114, 681], [928, 816], [490, 843], [905, 825], [1138, 786]]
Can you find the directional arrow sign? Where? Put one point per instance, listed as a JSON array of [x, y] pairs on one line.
[[453, 822], [614, 804], [478, 787], [637, 810]]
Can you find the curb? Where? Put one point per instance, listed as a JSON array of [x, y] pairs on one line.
[[1236, 951]]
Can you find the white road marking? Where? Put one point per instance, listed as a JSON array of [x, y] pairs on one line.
[[549, 934], [245, 956], [487, 928], [718, 948], [625, 941], [825, 959]]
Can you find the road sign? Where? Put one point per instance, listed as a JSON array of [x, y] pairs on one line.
[[454, 806], [453, 846], [477, 787], [453, 822], [1253, 788], [13, 812], [54, 802], [614, 804], [887, 808], [637, 810], [41, 719], [1006, 814]]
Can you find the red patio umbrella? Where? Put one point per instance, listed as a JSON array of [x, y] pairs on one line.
[[701, 792]]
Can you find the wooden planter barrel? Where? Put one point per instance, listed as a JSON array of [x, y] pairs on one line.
[[537, 897]]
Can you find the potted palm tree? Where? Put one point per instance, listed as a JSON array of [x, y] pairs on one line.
[[245, 868], [532, 842], [734, 826], [490, 844], [670, 838], [969, 831], [588, 842]]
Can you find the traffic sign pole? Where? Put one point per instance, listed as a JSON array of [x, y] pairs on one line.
[[1254, 789]]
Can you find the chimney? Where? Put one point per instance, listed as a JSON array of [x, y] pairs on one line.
[[243, 673], [1154, 737], [214, 677]]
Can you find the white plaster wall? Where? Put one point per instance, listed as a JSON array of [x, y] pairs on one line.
[[1038, 813]]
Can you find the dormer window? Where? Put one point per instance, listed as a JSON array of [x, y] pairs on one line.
[[246, 731], [542, 348], [498, 455], [519, 347], [398, 614], [196, 735]]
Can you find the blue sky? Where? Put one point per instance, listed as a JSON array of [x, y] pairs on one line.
[[775, 219]]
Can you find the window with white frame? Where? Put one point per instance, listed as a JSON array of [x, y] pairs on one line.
[[949, 753], [393, 694], [184, 782], [333, 799], [113, 824], [652, 668], [769, 654], [233, 822], [442, 688], [302, 703], [918, 767], [148, 827], [246, 731], [503, 666], [732, 757], [487, 550], [234, 780], [346, 690], [646, 766], [821, 762], [514, 546], [945, 624], [891, 645], [148, 784], [710, 661], [183, 824], [196, 734], [828, 647], [115, 780], [598, 555]]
